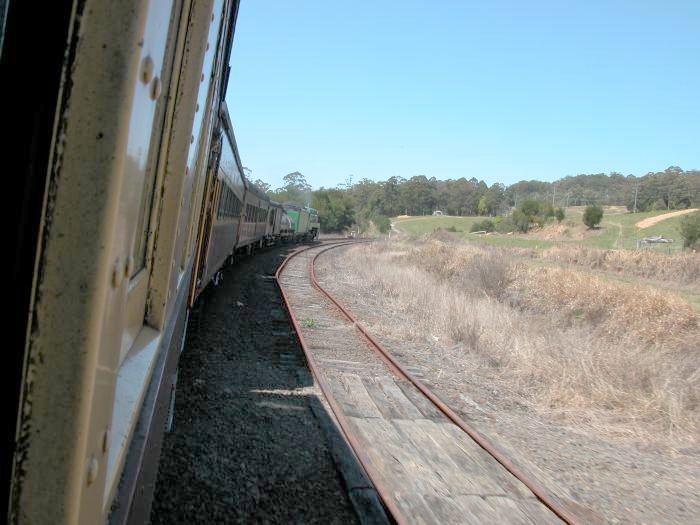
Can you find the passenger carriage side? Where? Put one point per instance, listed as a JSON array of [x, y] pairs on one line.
[[254, 223], [223, 209]]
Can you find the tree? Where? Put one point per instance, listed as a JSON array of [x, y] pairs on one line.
[[296, 180], [483, 207], [530, 208], [418, 195], [592, 216], [521, 221], [295, 190], [690, 230], [390, 196], [334, 208], [559, 214], [262, 185], [496, 199], [382, 223], [530, 212], [546, 210]]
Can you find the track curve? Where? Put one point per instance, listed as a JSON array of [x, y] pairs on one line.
[[546, 498]]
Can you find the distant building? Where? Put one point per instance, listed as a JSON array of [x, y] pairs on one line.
[[437, 212]]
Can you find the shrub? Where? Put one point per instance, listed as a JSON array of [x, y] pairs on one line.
[[530, 208], [592, 216], [690, 230], [521, 221], [505, 225], [484, 226], [538, 220], [382, 223], [546, 210], [531, 213], [489, 273], [559, 214]]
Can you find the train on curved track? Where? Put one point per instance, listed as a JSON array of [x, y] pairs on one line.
[[132, 198]]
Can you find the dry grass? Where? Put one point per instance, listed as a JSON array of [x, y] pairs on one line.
[[569, 342], [612, 310], [682, 268]]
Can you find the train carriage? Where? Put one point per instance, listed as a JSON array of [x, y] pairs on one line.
[[134, 199], [274, 220], [116, 157], [279, 225], [254, 220], [223, 206]]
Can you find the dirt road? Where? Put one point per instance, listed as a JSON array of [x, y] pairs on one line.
[[651, 221]]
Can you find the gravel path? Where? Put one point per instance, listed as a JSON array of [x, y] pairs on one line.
[[605, 480], [246, 446]]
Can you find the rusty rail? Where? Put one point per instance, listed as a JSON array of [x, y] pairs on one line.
[[382, 491], [539, 491]]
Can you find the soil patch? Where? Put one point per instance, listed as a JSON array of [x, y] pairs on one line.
[[651, 221]]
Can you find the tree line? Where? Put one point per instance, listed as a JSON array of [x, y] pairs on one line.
[[365, 201]]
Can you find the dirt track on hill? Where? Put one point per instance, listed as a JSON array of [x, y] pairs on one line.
[[651, 221]]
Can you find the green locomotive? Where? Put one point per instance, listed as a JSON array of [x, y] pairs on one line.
[[305, 222]]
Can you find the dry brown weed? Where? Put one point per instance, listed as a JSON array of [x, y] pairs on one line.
[[572, 343]]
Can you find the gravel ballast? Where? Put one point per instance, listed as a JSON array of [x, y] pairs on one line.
[[245, 445]]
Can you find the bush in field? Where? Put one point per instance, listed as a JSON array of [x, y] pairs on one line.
[[531, 213], [521, 221], [382, 223], [546, 210], [505, 225], [530, 208], [484, 226], [488, 274], [592, 216], [559, 214], [690, 230]]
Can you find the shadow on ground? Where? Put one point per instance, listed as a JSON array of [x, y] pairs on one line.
[[250, 437]]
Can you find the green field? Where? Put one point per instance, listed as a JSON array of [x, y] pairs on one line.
[[428, 224], [617, 230]]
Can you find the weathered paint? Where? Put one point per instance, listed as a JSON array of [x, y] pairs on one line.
[[115, 122]]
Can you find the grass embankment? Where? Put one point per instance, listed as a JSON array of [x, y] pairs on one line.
[[617, 230], [621, 357], [665, 266], [424, 225]]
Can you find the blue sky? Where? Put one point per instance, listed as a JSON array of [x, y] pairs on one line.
[[498, 90]]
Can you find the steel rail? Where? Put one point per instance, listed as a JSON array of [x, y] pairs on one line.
[[540, 492], [350, 438]]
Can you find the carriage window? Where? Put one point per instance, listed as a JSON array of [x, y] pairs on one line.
[[147, 119]]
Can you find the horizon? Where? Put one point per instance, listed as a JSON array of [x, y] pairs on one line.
[[464, 90], [343, 185]]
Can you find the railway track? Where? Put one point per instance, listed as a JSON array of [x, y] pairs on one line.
[[426, 464]]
